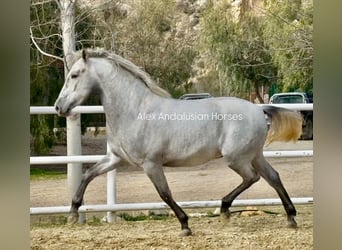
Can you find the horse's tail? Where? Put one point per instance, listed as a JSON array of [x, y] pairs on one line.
[[285, 124]]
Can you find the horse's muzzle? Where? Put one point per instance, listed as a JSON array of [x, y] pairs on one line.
[[61, 112]]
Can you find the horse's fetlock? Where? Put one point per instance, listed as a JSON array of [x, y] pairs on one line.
[[76, 203], [225, 205], [292, 211], [184, 217]]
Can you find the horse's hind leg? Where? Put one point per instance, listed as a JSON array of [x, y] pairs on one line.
[[249, 176], [156, 174], [107, 163], [272, 177]]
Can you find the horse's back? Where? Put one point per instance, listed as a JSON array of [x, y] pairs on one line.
[[219, 126]]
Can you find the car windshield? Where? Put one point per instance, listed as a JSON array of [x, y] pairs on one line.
[[288, 99]]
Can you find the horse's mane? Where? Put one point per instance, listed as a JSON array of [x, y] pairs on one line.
[[127, 65]]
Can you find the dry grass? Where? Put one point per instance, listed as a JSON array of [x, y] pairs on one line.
[[263, 231]]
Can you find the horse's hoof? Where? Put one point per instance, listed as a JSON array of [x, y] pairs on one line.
[[72, 219], [185, 232], [291, 223], [225, 217]]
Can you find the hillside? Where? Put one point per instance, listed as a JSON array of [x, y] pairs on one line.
[[185, 22]]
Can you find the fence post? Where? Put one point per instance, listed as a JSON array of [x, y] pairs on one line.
[[111, 191], [111, 194], [74, 170]]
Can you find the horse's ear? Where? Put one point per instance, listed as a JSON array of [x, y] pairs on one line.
[[84, 55]]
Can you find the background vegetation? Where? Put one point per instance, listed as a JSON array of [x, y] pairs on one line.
[[224, 49], [260, 47]]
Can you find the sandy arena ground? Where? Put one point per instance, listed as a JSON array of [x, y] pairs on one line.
[[210, 181]]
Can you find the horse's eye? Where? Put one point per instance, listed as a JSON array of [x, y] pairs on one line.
[[73, 76]]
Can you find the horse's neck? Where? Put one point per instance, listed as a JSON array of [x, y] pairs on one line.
[[124, 96]]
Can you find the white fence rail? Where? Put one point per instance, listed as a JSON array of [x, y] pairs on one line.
[[42, 160], [163, 205], [111, 206]]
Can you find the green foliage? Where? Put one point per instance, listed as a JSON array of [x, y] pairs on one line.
[[266, 46], [142, 217], [253, 49], [45, 174], [289, 31], [95, 221], [238, 48], [42, 137], [45, 82], [151, 42], [46, 73], [47, 221]]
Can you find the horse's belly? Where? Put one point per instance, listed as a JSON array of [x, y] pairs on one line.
[[194, 159]]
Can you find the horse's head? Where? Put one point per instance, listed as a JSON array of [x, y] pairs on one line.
[[79, 83]]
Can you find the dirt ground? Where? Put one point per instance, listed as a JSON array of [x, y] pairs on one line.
[[255, 232], [210, 181]]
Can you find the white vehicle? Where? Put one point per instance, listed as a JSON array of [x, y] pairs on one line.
[[291, 97]]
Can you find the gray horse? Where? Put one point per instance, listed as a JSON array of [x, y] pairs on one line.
[[148, 128]]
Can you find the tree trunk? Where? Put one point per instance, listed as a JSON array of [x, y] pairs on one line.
[[257, 93], [67, 8]]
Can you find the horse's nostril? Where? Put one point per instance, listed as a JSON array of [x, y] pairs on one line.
[[56, 108]]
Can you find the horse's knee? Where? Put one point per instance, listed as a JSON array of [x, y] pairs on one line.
[[290, 209]]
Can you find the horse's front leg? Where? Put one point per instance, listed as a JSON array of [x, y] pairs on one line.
[[107, 163], [156, 174]]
